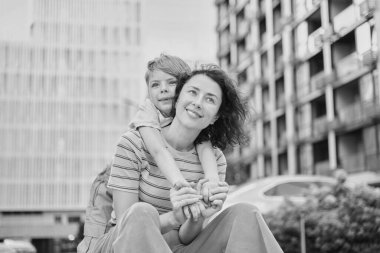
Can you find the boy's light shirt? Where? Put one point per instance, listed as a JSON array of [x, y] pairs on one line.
[[149, 116]]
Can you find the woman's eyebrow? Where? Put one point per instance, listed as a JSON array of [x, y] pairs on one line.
[[193, 87]]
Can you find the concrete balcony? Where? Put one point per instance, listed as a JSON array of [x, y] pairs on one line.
[[371, 110], [302, 76], [323, 168], [317, 81], [345, 20], [243, 56], [301, 50], [300, 9], [315, 40], [262, 7], [353, 163], [217, 2], [265, 73], [279, 64], [245, 89], [243, 27], [351, 113], [304, 132], [302, 90], [264, 38], [373, 162], [369, 58], [223, 23], [367, 8], [224, 49], [240, 4], [282, 140], [266, 106], [320, 126], [311, 4], [280, 101], [348, 65]]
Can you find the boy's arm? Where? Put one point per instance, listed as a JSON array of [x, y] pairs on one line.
[[210, 168], [208, 161], [165, 161]]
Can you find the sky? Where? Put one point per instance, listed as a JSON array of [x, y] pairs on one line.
[[185, 28], [15, 19]]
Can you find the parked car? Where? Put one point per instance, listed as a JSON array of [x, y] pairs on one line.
[[6, 249], [16, 246], [369, 178], [268, 194]]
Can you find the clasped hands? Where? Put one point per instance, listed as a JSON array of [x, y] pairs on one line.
[[202, 199]]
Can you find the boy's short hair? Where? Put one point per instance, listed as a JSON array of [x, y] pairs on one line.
[[169, 64]]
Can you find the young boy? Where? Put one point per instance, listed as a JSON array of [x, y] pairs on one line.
[[161, 77]]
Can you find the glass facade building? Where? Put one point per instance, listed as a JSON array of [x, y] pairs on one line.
[[67, 93]]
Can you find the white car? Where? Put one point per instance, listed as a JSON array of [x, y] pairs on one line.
[[6, 249], [13, 246], [369, 178], [268, 194]]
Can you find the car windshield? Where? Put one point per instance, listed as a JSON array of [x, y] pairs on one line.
[[375, 185], [294, 188]]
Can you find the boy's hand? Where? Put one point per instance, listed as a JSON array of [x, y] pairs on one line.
[[217, 197], [206, 190]]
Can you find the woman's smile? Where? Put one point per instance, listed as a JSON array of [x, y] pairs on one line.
[[194, 113]]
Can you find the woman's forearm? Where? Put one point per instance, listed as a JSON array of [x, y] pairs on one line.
[[168, 222], [190, 229]]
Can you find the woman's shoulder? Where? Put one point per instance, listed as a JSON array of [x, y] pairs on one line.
[[132, 138]]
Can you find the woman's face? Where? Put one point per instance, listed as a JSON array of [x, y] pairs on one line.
[[199, 102]]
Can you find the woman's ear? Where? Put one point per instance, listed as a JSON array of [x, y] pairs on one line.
[[214, 119]]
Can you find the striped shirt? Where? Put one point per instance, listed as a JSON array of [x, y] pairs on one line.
[[134, 170]]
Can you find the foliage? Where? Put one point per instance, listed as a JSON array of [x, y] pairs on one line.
[[338, 219]]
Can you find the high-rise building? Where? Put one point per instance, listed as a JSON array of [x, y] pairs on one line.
[[310, 68], [68, 86]]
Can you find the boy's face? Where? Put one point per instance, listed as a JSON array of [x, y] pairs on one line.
[[161, 90]]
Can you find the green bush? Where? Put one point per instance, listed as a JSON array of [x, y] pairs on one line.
[[338, 219]]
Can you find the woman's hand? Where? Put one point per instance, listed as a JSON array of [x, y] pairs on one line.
[[181, 198]]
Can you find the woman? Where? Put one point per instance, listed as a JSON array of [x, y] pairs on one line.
[[148, 215]]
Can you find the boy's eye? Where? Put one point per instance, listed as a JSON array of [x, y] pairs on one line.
[[155, 84], [173, 83]]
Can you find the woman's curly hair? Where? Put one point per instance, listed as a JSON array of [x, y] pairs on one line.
[[227, 130]]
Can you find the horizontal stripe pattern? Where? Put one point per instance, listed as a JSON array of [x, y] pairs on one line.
[[134, 170]]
